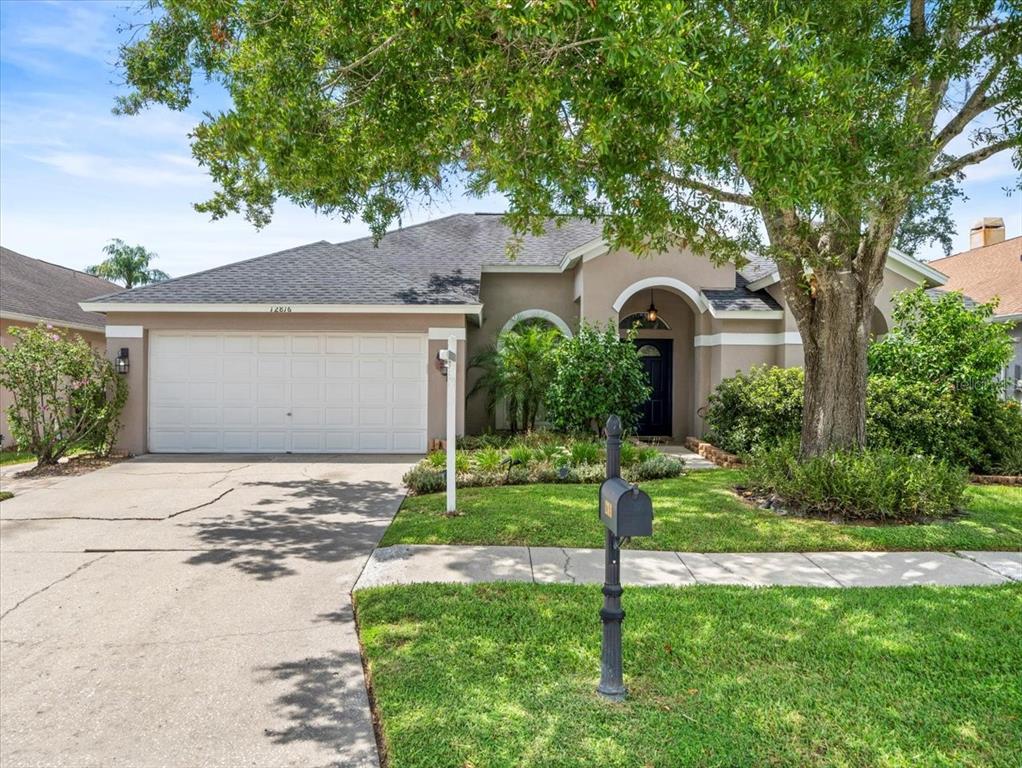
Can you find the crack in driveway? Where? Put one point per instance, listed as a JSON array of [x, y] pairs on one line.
[[24, 600], [124, 519]]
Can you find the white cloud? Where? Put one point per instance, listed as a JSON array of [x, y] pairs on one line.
[[159, 171]]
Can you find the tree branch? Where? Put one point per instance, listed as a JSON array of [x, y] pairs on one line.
[[977, 103], [722, 195], [971, 158]]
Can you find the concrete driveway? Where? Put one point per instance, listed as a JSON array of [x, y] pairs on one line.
[[190, 611]]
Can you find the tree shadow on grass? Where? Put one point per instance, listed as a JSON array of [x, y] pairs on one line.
[[313, 520]]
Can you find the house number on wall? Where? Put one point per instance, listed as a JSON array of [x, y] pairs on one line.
[[280, 308]]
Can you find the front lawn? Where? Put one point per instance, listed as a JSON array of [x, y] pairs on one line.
[[695, 513], [504, 675], [15, 457]]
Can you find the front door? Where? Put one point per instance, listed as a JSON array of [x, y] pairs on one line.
[[656, 356]]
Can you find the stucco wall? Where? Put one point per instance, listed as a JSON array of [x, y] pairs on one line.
[[133, 435], [606, 276], [95, 339]]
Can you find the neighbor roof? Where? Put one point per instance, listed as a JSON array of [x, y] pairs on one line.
[[987, 272], [39, 290], [437, 262]]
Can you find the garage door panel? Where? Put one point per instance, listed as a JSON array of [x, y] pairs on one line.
[[338, 392], [272, 393], [271, 345], [373, 441], [340, 345], [234, 416], [340, 368], [239, 344], [409, 345], [239, 441], [373, 345], [271, 367], [277, 392]]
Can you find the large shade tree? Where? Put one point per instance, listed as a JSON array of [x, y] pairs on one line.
[[805, 131]]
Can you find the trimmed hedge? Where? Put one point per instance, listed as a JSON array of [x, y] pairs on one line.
[[875, 484]]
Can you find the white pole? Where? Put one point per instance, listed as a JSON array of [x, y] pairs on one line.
[[452, 413]]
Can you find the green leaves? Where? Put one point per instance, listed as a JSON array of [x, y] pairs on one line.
[[598, 374], [62, 392], [128, 264]]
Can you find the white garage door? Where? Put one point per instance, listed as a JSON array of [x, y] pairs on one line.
[[275, 393]]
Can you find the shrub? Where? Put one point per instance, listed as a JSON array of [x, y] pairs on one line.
[[658, 467], [62, 393], [488, 459], [999, 438], [437, 459], [423, 478], [870, 484], [585, 453], [597, 374], [754, 409], [520, 454], [629, 453]]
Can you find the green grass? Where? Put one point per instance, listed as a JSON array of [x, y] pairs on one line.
[[5, 495], [15, 457], [695, 513], [504, 675]]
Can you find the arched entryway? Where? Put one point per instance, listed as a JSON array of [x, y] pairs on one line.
[[666, 348]]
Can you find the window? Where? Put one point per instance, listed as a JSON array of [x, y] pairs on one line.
[[648, 350], [639, 319]]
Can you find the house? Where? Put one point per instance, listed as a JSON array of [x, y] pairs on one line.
[[33, 292], [329, 346], [992, 268]]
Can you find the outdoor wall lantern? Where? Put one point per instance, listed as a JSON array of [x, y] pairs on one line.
[[121, 363], [651, 313]]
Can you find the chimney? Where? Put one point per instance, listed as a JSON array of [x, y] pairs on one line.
[[987, 231]]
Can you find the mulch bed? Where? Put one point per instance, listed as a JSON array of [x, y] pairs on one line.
[[75, 465], [996, 479]]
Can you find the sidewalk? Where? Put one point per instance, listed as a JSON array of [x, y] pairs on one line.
[[409, 564]]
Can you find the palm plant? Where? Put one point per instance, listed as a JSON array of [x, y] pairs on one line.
[[518, 369], [127, 264]]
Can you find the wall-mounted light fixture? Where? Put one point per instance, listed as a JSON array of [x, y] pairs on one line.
[[651, 313], [121, 364]]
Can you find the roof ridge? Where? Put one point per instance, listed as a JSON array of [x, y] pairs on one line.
[[211, 269], [404, 228]]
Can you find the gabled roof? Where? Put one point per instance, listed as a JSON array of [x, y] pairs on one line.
[[762, 271], [740, 298], [32, 290], [987, 272], [435, 263]]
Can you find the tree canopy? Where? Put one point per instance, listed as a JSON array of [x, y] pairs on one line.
[[127, 264]]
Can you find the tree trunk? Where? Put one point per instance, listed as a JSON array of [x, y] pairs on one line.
[[834, 405]]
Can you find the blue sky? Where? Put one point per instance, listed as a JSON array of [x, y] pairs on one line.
[[73, 175]]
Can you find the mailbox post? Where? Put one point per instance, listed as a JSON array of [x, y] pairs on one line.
[[625, 511]]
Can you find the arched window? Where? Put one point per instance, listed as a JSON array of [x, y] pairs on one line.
[[648, 350], [639, 319], [541, 314]]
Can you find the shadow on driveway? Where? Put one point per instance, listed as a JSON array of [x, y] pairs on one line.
[[314, 520]]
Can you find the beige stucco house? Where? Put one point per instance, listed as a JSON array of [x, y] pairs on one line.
[[33, 292], [330, 347]]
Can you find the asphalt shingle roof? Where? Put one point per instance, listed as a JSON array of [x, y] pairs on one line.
[[48, 291], [740, 297], [438, 262], [987, 272]]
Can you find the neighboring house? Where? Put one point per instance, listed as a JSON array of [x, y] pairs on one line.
[[329, 347], [33, 292], [992, 268]]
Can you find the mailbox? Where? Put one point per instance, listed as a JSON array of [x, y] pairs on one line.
[[624, 509]]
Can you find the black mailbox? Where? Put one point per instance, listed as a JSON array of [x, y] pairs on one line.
[[624, 509]]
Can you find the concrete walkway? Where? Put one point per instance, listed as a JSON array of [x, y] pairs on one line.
[[409, 564]]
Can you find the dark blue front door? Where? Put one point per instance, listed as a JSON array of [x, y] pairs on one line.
[[656, 356]]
